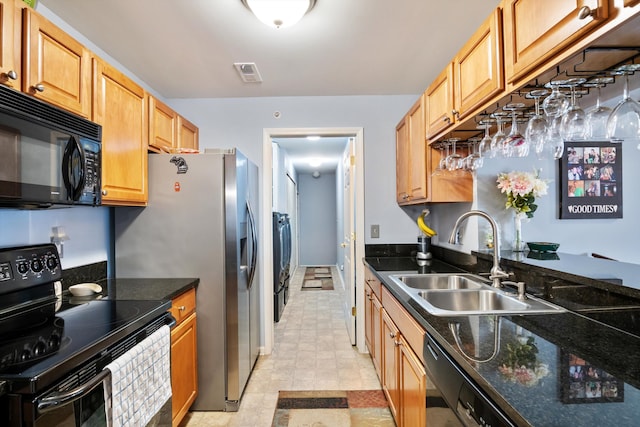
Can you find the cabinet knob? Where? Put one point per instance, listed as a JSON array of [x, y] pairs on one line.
[[39, 87], [12, 75], [446, 119], [455, 113], [392, 335], [181, 308], [397, 343], [585, 12], [104, 192]]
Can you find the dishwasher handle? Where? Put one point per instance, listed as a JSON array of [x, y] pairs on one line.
[[53, 401]]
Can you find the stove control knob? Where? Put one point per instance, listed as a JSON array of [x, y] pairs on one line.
[[23, 267], [40, 348], [52, 263], [36, 266], [25, 355]]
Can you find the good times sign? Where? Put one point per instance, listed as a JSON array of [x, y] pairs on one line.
[[591, 180]]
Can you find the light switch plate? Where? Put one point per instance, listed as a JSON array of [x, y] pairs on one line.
[[375, 231]]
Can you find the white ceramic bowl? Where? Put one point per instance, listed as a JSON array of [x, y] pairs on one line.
[[85, 289]]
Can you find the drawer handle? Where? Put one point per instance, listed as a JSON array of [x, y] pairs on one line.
[[182, 308]]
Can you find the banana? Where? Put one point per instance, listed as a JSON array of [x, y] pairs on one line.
[[424, 228]]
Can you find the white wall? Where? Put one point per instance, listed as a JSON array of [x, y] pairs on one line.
[[317, 219]]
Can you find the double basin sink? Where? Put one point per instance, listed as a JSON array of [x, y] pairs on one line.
[[461, 294]]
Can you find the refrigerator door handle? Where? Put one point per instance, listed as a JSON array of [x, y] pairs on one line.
[[254, 246]]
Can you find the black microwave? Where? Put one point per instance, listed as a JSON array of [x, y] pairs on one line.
[[48, 156]]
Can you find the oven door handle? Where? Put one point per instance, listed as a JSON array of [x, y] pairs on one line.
[[55, 400]]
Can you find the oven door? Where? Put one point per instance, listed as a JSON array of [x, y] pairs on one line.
[[81, 406]]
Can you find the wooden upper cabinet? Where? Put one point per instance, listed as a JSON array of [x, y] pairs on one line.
[[10, 56], [57, 68], [120, 106], [163, 127], [188, 134], [403, 162], [411, 173], [478, 67], [439, 103], [537, 30]]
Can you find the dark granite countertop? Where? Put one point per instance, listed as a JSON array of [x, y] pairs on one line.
[[146, 289], [587, 372]]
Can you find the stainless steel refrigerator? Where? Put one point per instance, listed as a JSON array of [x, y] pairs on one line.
[[201, 222]]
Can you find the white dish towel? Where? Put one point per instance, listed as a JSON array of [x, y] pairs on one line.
[[140, 381]]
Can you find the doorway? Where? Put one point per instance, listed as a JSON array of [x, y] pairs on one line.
[[354, 294]]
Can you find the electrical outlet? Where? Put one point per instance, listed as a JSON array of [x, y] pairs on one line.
[[375, 231]]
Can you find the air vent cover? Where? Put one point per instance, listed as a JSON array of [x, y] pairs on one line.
[[248, 72]]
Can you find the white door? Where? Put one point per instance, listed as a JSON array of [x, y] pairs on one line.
[[348, 243], [292, 210]]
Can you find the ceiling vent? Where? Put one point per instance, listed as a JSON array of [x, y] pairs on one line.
[[248, 72]]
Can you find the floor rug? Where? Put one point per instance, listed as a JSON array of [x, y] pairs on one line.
[[355, 408], [317, 279]]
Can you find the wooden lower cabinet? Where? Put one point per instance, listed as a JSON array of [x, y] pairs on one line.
[[393, 348], [184, 356], [412, 389], [390, 364]]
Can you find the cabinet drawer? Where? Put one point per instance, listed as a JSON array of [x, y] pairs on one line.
[[413, 333], [373, 283], [183, 305]]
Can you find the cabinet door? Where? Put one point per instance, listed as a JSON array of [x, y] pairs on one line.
[[120, 106], [413, 388], [478, 67], [184, 373], [163, 127], [376, 333], [390, 339], [439, 103], [188, 134], [536, 30], [57, 67], [417, 153], [403, 162], [10, 70]]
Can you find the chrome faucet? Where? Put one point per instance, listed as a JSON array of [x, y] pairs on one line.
[[497, 273]]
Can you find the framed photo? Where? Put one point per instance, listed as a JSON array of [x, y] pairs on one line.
[[591, 180], [582, 382]]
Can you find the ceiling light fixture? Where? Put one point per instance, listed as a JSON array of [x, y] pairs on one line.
[[279, 13], [313, 138], [315, 162]]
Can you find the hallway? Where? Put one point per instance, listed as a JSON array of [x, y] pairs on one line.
[[311, 352]]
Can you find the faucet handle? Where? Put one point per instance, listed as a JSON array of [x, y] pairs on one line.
[[520, 286]]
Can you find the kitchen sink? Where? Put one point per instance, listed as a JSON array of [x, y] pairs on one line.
[[467, 294], [440, 281]]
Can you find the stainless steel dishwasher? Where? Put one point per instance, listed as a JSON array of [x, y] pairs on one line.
[[463, 398]]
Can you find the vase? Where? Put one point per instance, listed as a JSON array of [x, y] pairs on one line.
[[518, 242]]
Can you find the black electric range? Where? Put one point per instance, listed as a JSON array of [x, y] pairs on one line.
[[44, 337]]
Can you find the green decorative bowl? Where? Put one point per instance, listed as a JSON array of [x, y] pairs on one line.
[[543, 246]]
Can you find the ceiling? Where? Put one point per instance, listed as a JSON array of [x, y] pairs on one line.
[[187, 48], [301, 150]]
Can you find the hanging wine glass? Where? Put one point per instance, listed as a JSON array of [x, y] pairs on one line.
[[536, 130], [572, 126], [442, 164], [555, 104], [554, 140], [624, 121], [485, 143], [499, 136], [598, 116], [453, 159], [474, 160], [515, 143]]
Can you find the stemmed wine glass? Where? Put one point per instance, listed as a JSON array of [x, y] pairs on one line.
[[555, 104], [597, 117], [553, 139], [474, 160], [453, 159], [499, 136], [485, 143], [624, 121], [442, 164], [536, 130], [515, 143], [572, 126]]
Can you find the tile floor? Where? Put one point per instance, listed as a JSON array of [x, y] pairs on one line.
[[311, 352]]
